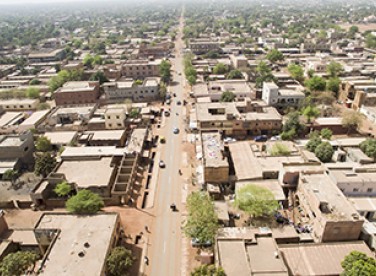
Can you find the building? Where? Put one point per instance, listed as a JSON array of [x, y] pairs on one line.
[[239, 62], [332, 123], [216, 167], [54, 55], [103, 138], [158, 50], [19, 104], [147, 91], [34, 121], [319, 259], [16, 151], [203, 45], [115, 117], [331, 216], [77, 92], [290, 96], [238, 118], [313, 47], [140, 69], [76, 245], [215, 89], [357, 91]]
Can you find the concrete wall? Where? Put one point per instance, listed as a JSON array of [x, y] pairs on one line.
[[341, 231], [216, 175]]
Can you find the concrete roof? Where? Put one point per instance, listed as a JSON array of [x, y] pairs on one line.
[[136, 141], [363, 204], [9, 118], [263, 260], [87, 173], [61, 137], [320, 259], [19, 101], [77, 152], [106, 134], [328, 121], [230, 252], [96, 230], [77, 86], [212, 148], [246, 165], [35, 118]]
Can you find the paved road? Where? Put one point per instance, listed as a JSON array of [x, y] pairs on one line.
[[165, 252]]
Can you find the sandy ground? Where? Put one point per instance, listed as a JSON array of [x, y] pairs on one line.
[[362, 27]]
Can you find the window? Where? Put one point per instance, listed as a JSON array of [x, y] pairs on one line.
[[119, 125], [109, 125], [355, 190], [108, 117], [369, 190], [117, 116]]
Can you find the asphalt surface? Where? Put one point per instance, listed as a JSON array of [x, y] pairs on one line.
[[166, 243]]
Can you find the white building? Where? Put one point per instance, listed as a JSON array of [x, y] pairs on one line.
[[290, 96]]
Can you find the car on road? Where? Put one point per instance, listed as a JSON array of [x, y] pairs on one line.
[[197, 243], [178, 102], [261, 138], [174, 94], [167, 113], [168, 101], [162, 140], [162, 164], [175, 130], [168, 96]]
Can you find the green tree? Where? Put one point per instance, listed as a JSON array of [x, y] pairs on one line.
[[88, 61], [352, 120], [63, 189], [324, 152], [310, 112], [134, 113], [326, 133], [35, 82], [334, 69], [220, 68], [315, 83], [279, 149], [84, 202], [371, 41], [97, 60], [293, 127], [352, 31], [313, 143], [191, 80], [369, 147], [357, 264], [264, 74], [99, 76], [119, 261], [227, 96], [43, 106], [63, 76], [274, 55], [256, 201], [32, 92], [44, 164], [10, 175], [165, 71], [16, 264], [296, 72], [234, 74], [202, 222], [333, 85], [208, 270], [43, 144]]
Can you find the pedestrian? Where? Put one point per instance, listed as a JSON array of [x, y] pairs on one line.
[[146, 260], [146, 228]]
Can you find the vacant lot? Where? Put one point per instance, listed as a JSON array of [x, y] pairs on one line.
[[362, 27]]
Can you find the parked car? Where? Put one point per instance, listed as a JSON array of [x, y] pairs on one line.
[[175, 130], [197, 243], [167, 113], [162, 164], [168, 101], [178, 102], [162, 139], [261, 138]]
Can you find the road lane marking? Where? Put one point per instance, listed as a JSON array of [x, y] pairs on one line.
[[164, 247]]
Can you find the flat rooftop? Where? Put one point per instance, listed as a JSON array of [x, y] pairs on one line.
[[320, 259], [35, 118], [105, 135], [10, 118], [212, 148], [61, 137], [233, 258], [87, 173], [88, 152], [10, 141], [77, 86], [96, 230]]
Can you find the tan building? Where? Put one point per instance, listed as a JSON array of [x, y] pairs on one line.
[[357, 91], [147, 91], [331, 216], [19, 104], [216, 167], [76, 245], [115, 117], [54, 55], [77, 92], [140, 69], [203, 45], [238, 118]]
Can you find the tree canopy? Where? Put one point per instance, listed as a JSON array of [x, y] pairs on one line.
[[99, 76], [17, 263], [85, 202], [235, 74], [311, 112], [352, 120], [63, 189], [119, 261], [292, 127], [358, 263], [369, 147], [315, 83], [220, 68], [264, 74], [165, 71], [296, 72], [256, 201], [202, 222], [334, 69], [44, 164], [227, 96], [324, 152], [326, 133], [208, 270], [313, 143], [279, 149], [43, 144], [64, 76], [10, 175], [274, 55]]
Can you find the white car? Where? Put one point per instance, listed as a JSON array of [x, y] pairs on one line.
[[175, 130], [162, 164]]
